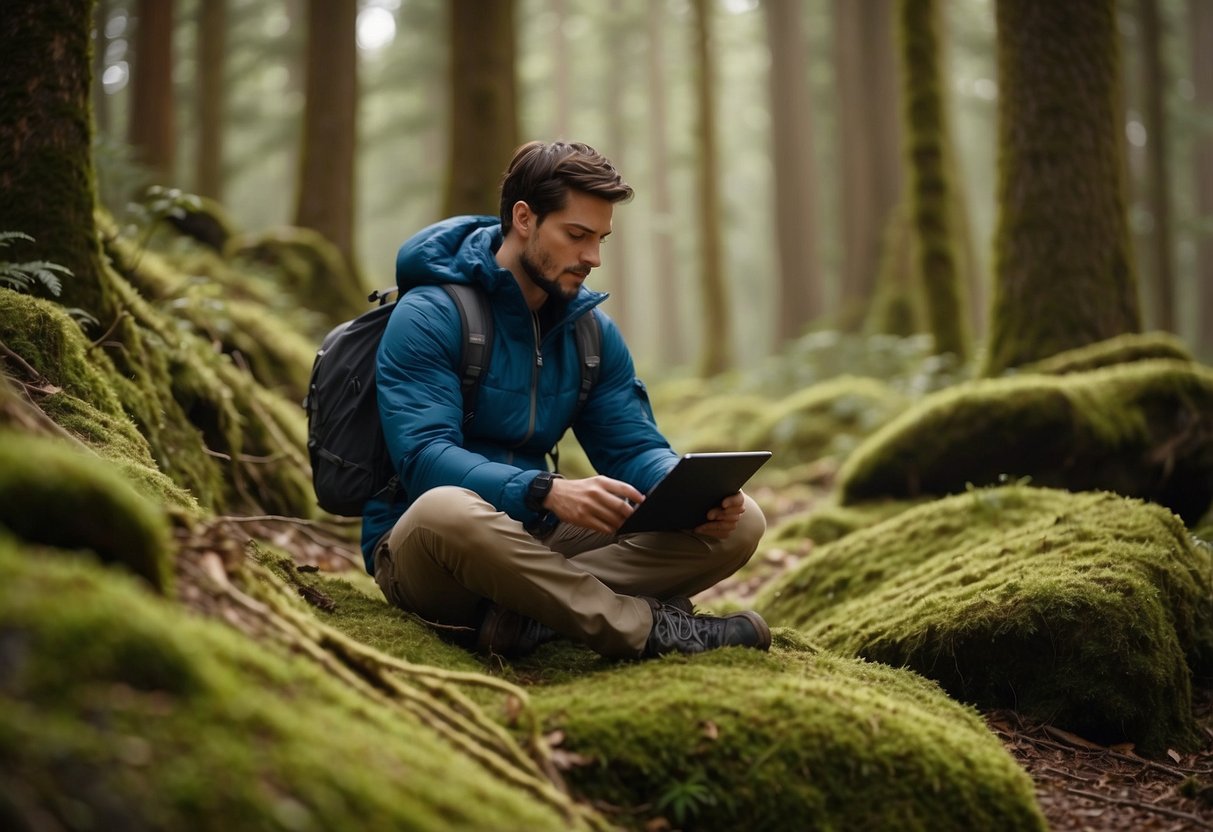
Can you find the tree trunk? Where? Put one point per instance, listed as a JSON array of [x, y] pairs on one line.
[[869, 145], [153, 129], [1161, 278], [716, 352], [325, 200], [799, 296], [212, 34], [1064, 271], [929, 189], [46, 133], [101, 104], [1200, 19], [561, 72], [671, 331], [484, 103], [616, 136]]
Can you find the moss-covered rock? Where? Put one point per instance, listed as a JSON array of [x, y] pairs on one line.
[[118, 711], [796, 739], [1142, 430], [829, 418], [1089, 610], [1122, 349], [736, 739], [63, 497]]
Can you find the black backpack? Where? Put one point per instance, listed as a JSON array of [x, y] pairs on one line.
[[350, 462]]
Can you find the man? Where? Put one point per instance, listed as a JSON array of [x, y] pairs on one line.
[[484, 539]]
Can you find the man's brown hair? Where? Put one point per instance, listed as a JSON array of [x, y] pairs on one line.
[[541, 175]]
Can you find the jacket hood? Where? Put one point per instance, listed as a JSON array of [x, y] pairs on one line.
[[457, 250], [463, 250]]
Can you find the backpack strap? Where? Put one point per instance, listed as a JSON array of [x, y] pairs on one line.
[[589, 350], [476, 319]]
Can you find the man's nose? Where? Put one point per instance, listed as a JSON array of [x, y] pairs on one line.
[[591, 255]]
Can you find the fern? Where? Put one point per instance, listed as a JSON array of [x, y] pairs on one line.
[[22, 276]]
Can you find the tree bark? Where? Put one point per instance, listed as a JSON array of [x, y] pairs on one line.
[[869, 145], [1064, 271], [716, 353], [1200, 21], [484, 103], [212, 35], [800, 295], [671, 331], [101, 104], [153, 124], [624, 298], [46, 133], [929, 186], [325, 201]]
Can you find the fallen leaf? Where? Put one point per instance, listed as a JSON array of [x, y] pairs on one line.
[[565, 760], [1174, 755], [657, 825], [554, 738], [710, 730]]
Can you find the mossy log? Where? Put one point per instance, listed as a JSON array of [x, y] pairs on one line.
[[736, 739], [1090, 611], [1142, 430]]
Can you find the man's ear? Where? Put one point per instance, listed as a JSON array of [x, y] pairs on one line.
[[522, 219]]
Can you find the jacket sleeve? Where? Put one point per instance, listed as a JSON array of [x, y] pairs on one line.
[[421, 406], [616, 428]]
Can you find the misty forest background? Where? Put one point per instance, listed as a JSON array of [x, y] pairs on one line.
[[781, 217]]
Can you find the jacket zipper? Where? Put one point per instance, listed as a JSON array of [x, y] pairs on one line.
[[535, 368]]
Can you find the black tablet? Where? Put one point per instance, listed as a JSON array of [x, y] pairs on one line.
[[697, 484]]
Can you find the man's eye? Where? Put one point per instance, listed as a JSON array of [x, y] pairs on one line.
[[577, 237]]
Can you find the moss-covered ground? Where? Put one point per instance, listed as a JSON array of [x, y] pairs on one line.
[[1090, 610]]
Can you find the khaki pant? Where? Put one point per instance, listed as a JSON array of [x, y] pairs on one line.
[[451, 550]]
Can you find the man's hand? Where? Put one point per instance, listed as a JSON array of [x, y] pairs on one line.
[[596, 503], [723, 519]]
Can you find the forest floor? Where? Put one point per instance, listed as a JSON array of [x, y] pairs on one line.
[[1081, 786]]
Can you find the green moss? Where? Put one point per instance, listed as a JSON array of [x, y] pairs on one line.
[[1143, 430], [58, 495], [737, 739], [829, 521], [714, 423], [157, 719], [1119, 350], [1087, 610], [824, 419], [796, 739]]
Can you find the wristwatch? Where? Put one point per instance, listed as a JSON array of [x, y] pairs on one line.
[[539, 489]]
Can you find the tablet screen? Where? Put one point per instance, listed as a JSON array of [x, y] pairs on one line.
[[691, 489]]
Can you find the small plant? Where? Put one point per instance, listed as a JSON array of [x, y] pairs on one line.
[[21, 276], [686, 799]]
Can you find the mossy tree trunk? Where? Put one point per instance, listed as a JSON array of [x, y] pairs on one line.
[[869, 146], [325, 202], [671, 332], [1200, 21], [1063, 266], [934, 243], [800, 295], [484, 103], [153, 127], [715, 354], [212, 37], [46, 134]]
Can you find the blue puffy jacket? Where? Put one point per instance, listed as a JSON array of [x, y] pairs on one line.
[[526, 400]]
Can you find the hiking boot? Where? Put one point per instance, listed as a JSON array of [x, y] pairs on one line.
[[504, 632], [675, 629]]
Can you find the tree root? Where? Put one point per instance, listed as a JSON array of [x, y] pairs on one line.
[[426, 693]]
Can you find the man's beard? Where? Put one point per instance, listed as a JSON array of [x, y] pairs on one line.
[[548, 284]]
